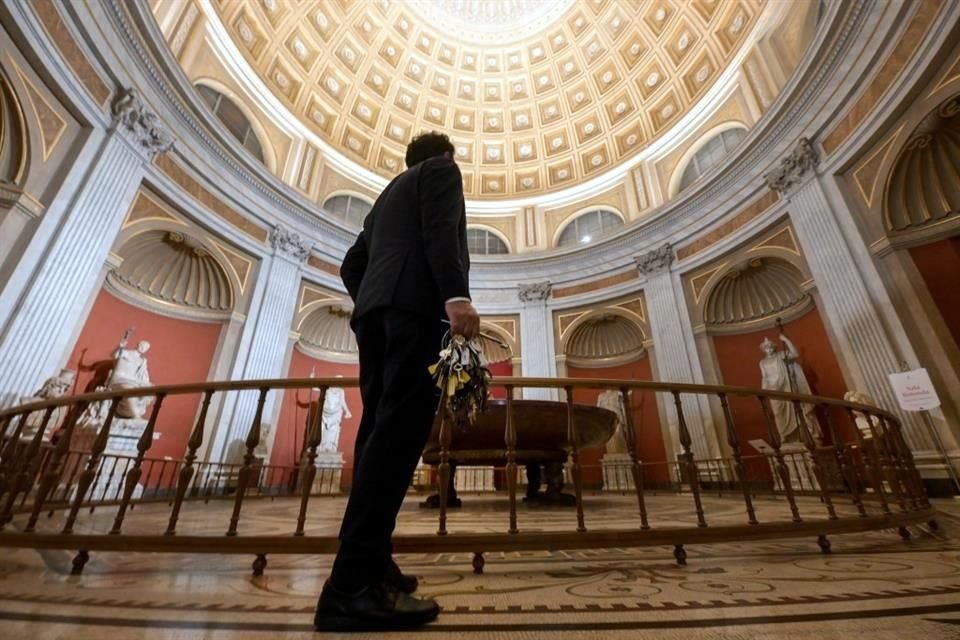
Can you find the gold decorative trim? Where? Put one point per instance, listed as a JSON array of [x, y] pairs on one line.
[[790, 246]]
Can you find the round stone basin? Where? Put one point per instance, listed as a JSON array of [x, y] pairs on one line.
[[541, 427]]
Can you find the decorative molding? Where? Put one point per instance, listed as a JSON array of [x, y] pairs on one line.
[[289, 243], [656, 261], [130, 114], [534, 292], [803, 159]]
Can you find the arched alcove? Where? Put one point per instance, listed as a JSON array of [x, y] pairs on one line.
[[753, 291], [14, 145]]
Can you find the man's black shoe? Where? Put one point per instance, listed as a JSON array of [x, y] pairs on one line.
[[373, 608], [402, 582]]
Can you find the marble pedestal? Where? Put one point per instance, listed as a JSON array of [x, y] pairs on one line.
[[797, 458], [475, 479], [329, 473], [617, 472], [117, 457]]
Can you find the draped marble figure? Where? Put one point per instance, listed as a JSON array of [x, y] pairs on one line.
[[613, 401], [130, 372], [334, 410], [781, 371], [53, 387]]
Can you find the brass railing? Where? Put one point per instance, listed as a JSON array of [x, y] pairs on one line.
[[867, 481]]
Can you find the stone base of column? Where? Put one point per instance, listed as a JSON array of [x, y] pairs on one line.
[[617, 472], [329, 474]]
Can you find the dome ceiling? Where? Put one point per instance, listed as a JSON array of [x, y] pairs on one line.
[[535, 94]]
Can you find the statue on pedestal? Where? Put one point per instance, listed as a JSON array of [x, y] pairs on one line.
[[863, 424], [334, 410], [130, 372], [781, 371], [54, 387]]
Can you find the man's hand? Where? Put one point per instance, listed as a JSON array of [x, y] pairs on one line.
[[464, 319]]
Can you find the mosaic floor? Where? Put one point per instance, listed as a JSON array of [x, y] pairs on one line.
[[873, 586]]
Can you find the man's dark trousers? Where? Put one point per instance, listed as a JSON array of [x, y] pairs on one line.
[[399, 404]]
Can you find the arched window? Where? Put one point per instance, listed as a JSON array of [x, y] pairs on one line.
[[233, 119], [481, 242], [710, 154], [587, 226], [349, 208]]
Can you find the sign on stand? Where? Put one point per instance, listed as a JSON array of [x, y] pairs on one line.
[[914, 390]]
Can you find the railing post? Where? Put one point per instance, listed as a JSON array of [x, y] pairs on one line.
[[780, 466], [739, 469], [7, 458], [443, 469], [187, 472], [243, 478], [572, 439], [54, 466], [818, 474], [868, 456], [846, 468], [133, 475], [688, 460], [309, 472], [631, 437], [884, 461], [93, 464], [510, 439], [900, 471], [915, 482], [19, 471]]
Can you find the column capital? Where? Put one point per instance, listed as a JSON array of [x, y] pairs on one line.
[[141, 125], [656, 261], [789, 173], [535, 291], [289, 244]]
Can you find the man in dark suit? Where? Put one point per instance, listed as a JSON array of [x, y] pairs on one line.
[[407, 271]]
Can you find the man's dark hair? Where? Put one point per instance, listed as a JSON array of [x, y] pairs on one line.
[[427, 145]]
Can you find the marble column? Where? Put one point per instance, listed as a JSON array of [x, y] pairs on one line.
[[849, 310], [677, 359], [263, 343], [34, 341], [537, 351]]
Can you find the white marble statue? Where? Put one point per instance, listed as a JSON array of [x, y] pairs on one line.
[[54, 387], [613, 401], [130, 372], [781, 371], [334, 410]]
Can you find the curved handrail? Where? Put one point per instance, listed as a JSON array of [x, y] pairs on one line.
[[873, 468], [516, 382]]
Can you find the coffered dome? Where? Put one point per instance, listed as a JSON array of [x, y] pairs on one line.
[[537, 95]]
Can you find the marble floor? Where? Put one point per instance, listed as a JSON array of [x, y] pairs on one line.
[[874, 586]]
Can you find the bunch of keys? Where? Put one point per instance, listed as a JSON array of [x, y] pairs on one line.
[[463, 378]]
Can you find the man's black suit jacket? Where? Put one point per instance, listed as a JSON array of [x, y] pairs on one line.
[[412, 253]]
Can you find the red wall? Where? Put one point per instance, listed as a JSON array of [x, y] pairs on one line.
[[499, 370], [290, 428], [939, 264], [738, 357], [646, 420], [181, 351]]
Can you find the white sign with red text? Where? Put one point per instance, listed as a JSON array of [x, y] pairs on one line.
[[914, 390]]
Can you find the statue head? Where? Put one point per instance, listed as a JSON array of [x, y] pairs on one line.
[[143, 346], [67, 375], [857, 397], [768, 347]]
